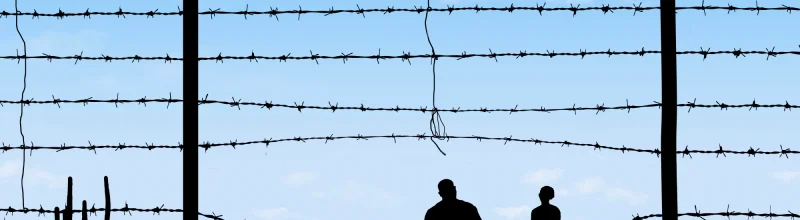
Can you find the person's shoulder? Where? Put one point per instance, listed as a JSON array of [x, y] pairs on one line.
[[536, 210], [468, 204], [434, 207], [555, 208]]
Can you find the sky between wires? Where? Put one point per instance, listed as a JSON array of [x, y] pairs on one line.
[[377, 178]]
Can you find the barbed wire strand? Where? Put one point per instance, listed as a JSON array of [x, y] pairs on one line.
[[391, 9], [157, 210], [22, 97], [436, 124], [407, 55], [334, 107], [233, 144], [727, 213]]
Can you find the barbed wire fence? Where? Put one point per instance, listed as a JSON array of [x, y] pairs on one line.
[[437, 125], [68, 209]]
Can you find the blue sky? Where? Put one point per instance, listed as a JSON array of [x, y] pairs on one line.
[[378, 179]]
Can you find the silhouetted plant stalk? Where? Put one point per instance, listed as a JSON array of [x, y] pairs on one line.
[[68, 211]]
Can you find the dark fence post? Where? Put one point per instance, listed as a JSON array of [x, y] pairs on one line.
[[669, 112], [84, 213], [190, 114], [68, 208], [57, 213], [108, 198]]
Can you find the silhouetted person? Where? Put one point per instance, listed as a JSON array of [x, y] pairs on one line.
[[451, 208], [546, 211]]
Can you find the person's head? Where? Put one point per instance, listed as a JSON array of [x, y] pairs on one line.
[[546, 194], [447, 190]]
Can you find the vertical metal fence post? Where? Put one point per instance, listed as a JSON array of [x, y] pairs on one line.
[[190, 94], [669, 112], [107, 193]]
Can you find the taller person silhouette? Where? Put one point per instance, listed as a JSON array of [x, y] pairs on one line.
[[546, 211], [450, 207]]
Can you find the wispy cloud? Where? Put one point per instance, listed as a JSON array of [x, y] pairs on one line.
[[300, 178], [632, 198], [35, 176], [543, 175], [9, 168], [271, 213], [52, 180], [361, 194], [562, 192], [512, 212], [785, 176], [281, 213], [590, 185], [612, 194]]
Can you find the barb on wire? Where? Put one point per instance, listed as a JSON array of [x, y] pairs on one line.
[[391, 9], [727, 213], [93, 210], [406, 56], [333, 107]]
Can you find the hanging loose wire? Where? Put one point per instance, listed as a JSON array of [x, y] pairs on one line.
[[21, 105], [438, 129]]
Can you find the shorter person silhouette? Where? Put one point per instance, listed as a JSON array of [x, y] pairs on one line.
[[546, 211], [450, 207]]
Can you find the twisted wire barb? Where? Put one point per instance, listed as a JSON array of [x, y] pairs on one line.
[[157, 210], [727, 213], [596, 146], [334, 107], [274, 12], [406, 56]]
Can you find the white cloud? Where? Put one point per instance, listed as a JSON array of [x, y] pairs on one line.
[[280, 214], [9, 168], [632, 198], [562, 192], [370, 194], [513, 212], [785, 176], [300, 178], [597, 184], [271, 213], [590, 185], [14, 168], [318, 194], [52, 180], [543, 175], [361, 194]]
